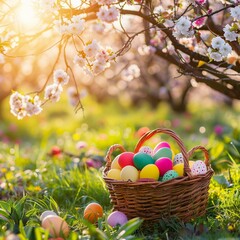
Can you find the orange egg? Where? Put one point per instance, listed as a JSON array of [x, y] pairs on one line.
[[56, 226], [92, 212]]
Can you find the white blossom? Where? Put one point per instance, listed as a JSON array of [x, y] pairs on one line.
[[33, 105], [235, 12], [79, 60], [91, 49], [99, 27], [216, 56], [105, 2], [60, 77], [131, 72], [225, 50], [98, 67], [107, 14], [22, 106], [53, 92], [217, 42], [146, 50], [229, 34], [183, 28]]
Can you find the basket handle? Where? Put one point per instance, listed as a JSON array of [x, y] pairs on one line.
[[171, 133], [109, 156], [204, 150]]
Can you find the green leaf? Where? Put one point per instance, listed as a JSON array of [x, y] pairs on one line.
[[4, 213], [128, 228], [220, 179], [6, 206], [96, 233], [40, 232], [21, 229]]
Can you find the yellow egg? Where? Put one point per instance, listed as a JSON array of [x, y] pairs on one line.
[[191, 163], [179, 168], [114, 174], [114, 164], [56, 226], [150, 171], [173, 154], [129, 173]]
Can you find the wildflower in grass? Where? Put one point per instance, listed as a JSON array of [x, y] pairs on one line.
[[218, 129], [37, 188], [55, 151], [81, 145], [3, 170]]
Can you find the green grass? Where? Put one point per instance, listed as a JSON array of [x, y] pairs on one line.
[[32, 181]]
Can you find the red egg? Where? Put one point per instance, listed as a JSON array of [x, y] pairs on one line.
[[164, 165], [125, 159]]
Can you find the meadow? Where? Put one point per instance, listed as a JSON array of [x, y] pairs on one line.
[[55, 162]]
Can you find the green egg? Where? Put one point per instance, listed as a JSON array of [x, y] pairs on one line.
[[163, 152], [169, 175], [141, 159]]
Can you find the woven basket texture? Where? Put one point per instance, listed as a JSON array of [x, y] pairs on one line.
[[183, 197]]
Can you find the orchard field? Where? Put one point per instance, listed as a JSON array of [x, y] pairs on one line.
[[55, 162]]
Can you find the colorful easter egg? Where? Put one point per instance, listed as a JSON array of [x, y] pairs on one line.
[[191, 163], [163, 152], [178, 158], [179, 168], [56, 226], [146, 149], [164, 164], [129, 173], [115, 164], [150, 171], [114, 174], [47, 213], [169, 175], [117, 218], [125, 159], [161, 145], [92, 212], [199, 167], [141, 159]]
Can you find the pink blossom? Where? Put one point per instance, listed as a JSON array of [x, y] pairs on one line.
[[199, 22], [200, 1]]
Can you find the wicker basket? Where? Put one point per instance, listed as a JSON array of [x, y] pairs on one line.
[[183, 197]]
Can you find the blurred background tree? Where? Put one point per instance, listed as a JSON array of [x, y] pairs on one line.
[[152, 65]]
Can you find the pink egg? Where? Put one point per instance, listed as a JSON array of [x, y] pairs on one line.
[[161, 145], [164, 165], [116, 218], [125, 159], [199, 167]]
